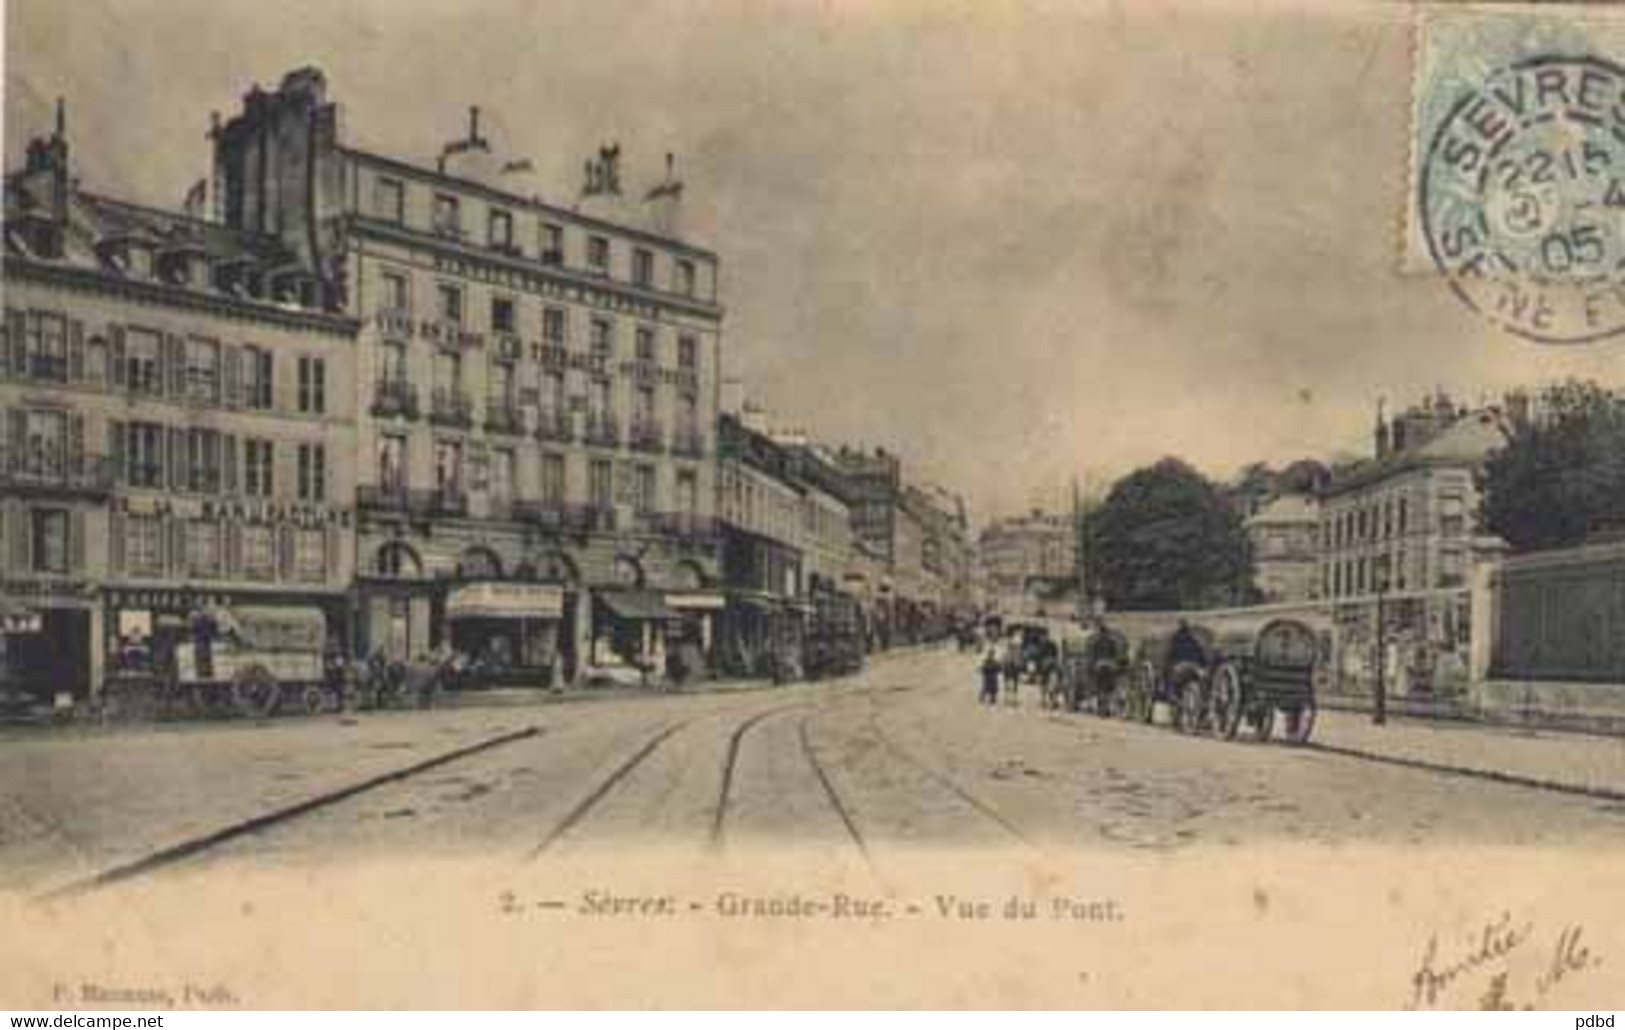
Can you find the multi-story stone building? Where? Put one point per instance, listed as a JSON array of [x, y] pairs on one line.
[[1405, 526], [177, 426], [1029, 562], [1285, 534], [761, 506], [537, 385]]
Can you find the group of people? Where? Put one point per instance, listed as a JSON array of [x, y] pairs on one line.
[[1012, 656]]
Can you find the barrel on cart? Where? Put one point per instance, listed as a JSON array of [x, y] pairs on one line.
[[1265, 677]]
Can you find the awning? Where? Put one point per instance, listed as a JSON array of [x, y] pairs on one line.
[[19, 618], [637, 605], [696, 600], [506, 601]]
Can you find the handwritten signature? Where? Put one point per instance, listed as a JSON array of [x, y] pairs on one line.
[[1490, 950]]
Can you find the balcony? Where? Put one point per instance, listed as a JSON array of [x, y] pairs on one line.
[[645, 435], [387, 497], [48, 368], [395, 397], [554, 425], [545, 514], [394, 322], [552, 256], [449, 499], [554, 357], [602, 430], [449, 333], [685, 526], [451, 408], [449, 228], [507, 346], [589, 517], [503, 416], [53, 470], [688, 442]]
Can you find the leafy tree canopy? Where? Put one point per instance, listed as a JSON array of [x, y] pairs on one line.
[[1561, 476]]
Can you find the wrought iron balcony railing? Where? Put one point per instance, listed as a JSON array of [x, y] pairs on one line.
[[451, 408], [395, 396], [688, 442], [602, 429], [646, 435], [55, 470], [502, 415], [555, 425]]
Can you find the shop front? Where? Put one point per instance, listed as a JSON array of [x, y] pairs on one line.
[[692, 637], [629, 634], [48, 631], [509, 631]]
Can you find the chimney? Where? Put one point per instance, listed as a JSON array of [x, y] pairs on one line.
[[665, 202]]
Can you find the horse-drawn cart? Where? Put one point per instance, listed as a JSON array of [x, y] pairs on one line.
[[1262, 673], [1093, 671]]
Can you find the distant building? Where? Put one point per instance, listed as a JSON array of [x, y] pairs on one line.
[[1285, 536], [1028, 563]]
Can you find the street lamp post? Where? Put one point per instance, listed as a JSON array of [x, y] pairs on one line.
[[1379, 708]]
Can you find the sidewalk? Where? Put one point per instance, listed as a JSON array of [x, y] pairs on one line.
[[1575, 762]]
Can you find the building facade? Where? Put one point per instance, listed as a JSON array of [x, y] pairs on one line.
[[1399, 539], [537, 388], [1029, 562], [177, 427], [1285, 535]]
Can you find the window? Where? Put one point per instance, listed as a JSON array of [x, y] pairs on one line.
[[259, 552], [448, 215], [448, 374], [143, 462], [397, 295], [310, 555], [689, 413], [448, 465], [202, 548], [500, 384], [392, 463], [645, 413], [141, 361], [643, 485], [312, 385], [258, 377], [688, 492], [312, 472], [50, 535], [259, 457], [603, 343], [601, 483], [502, 315], [451, 303], [553, 393], [643, 267], [502, 474], [554, 321], [598, 254], [144, 545], [47, 346], [598, 400], [688, 352], [685, 277], [501, 230], [645, 344], [389, 200], [203, 461], [552, 243], [392, 366], [553, 479], [203, 370]]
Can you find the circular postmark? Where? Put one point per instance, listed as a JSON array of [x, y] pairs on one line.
[[1522, 198]]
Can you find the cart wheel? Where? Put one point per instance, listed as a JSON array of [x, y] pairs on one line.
[[1143, 703], [1264, 724], [1225, 717], [313, 699], [1300, 723], [256, 693]]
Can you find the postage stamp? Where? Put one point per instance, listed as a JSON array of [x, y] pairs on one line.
[[1518, 167]]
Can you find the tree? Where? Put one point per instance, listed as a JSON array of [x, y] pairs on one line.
[[1561, 476], [1165, 538]]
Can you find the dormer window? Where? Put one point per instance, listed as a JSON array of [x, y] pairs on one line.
[[448, 215], [501, 230], [685, 278], [598, 254]]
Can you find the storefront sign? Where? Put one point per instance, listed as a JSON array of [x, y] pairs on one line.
[[698, 601], [506, 601]]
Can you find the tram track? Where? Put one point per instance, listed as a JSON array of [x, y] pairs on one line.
[[193, 847]]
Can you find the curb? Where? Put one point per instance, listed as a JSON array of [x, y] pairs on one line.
[[175, 852], [1473, 772]]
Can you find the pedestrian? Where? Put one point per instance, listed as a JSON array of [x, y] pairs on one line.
[[1012, 667], [991, 666]]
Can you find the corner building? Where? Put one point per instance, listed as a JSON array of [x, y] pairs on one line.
[[177, 430], [536, 385]]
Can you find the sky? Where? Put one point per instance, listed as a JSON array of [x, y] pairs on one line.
[[1013, 243]]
